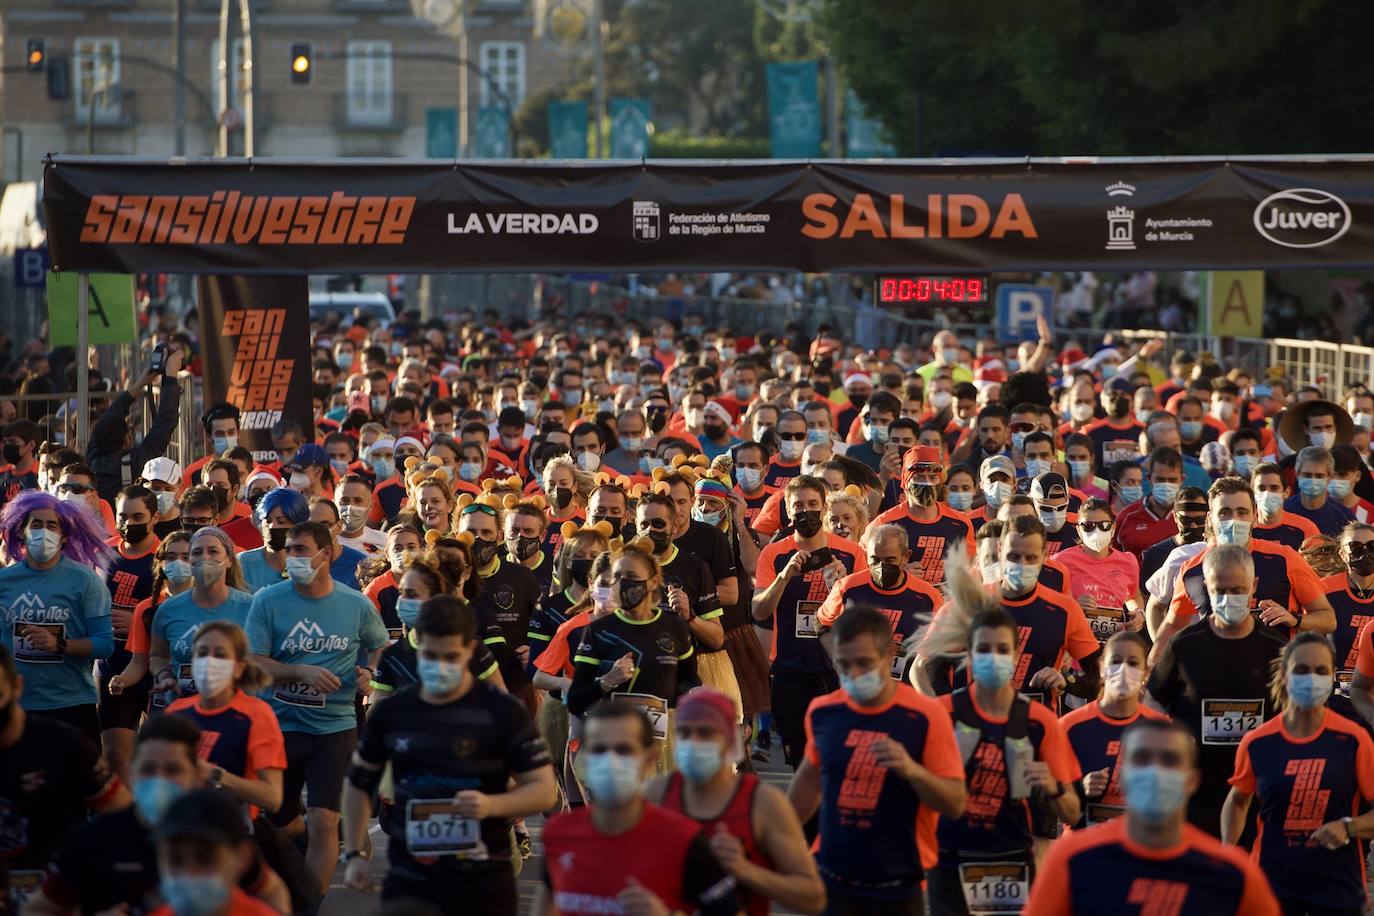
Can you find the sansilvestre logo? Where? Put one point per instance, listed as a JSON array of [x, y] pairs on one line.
[[1302, 218]]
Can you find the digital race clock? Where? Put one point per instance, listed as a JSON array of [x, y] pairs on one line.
[[909, 289]]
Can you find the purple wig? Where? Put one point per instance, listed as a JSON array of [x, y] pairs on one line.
[[81, 528]]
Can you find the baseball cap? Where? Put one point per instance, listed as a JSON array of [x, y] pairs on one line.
[[204, 814], [1049, 486], [163, 469], [922, 454], [1117, 383], [309, 455], [995, 463]]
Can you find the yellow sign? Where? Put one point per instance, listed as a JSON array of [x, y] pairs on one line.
[[1235, 303]]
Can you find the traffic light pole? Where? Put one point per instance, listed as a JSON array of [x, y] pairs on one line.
[[179, 49], [246, 24]]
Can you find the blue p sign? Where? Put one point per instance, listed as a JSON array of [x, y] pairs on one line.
[[1018, 307], [30, 267]]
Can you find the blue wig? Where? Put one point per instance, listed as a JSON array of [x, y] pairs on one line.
[[83, 531], [291, 503]]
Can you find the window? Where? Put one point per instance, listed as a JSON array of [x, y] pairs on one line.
[[503, 63], [237, 79], [97, 77], [369, 82]]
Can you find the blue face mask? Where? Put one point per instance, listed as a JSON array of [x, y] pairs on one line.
[[1153, 792], [865, 687], [1020, 576], [1037, 466], [612, 778], [962, 501], [709, 518], [1308, 691], [1190, 429], [1132, 493], [1079, 469], [1164, 493], [877, 435], [990, 669], [1018, 440], [1311, 487], [194, 895], [439, 677], [817, 436], [699, 761], [647, 463], [152, 797], [384, 468], [1244, 464], [408, 609]]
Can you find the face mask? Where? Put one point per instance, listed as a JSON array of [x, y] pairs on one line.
[[525, 548], [1233, 531], [887, 575], [1053, 519], [631, 593], [940, 400], [922, 494], [589, 461], [949, 356], [408, 609], [1119, 407], [1311, 487], [223, 444], [963, 501], [166, 501], [791, 449], [207, 572], [300, 483], [1080, 469], [1109, 370], [867, 686], [440, 677], [1143, 417], [470, 471], [194, 895], [339, 465], [997, 493], [992, 571], [647, 463], [134, 534], [1020, 576], [301, 569], [808, 524], [858, 399], [602, 596], [1321, 440], [1154, 793], [378, 404], [748, 478], [1363, 420], [384, 468], [41, 544], [1339, 489], [1018, 440], [529, 408], [1037, 466], [1081, 413], [1096, 540], [1124, 680], [580, 568], [344, 360], [658, 418], [1223, 410], [1230, 609], [710, 518], [817, 436], [613, 779], [1132, 493], [990, 669], [1308, 691], [483, 551], [354, 517], [744, 392], [562, 497], [1190, 429], [1164, 493], [877, 436], [152, 797], [630, 444], [698, 761], [276, 538], [212, 674], [176, 571], [1244, 464]]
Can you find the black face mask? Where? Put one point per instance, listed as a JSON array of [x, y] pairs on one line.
[[539, 380], [525, 548], [661, 540], [631, 592], [562, 497], [1119, 407], [658, 418], [133, 534], [1191, 534], [256, 498], [887, 575], [714, 430], [808, 524], [1362, 566], [13, 453], [580, 568], [221, 498], [483, 551], [858, 400], [276, 538], [615, 523]]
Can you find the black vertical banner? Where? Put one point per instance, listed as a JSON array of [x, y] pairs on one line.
[[255, 349]]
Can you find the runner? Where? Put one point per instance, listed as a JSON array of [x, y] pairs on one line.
[[1190, 518], [931, 526], [1272, 522], [1050, 492], [997, 479], [525, 529], [353, 496], [1351, 594], [448, 828], [1157, 861], [277, 513], [1311, 772], [1313, 468], [1095, 730], [1214, 677], [172, 575], [402, 541], [621, 853], [572, 568], [752, 830], [1106, 582], [880, 760], [306, 633], [1149, 521]]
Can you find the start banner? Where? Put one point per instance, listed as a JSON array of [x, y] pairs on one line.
[[255, 347], [295, 217]]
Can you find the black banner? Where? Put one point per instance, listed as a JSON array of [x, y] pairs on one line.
[[378, 216], [255, 349]]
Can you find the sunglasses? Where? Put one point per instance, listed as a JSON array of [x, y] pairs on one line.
[[792, 437], [1360, 548], [1105, 525], [478, 507], [76, 489]]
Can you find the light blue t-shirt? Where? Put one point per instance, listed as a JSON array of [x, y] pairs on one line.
[[292, 629], [256, 573], [178, 620], [70, 600]]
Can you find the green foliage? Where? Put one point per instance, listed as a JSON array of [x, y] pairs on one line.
[[1125, 77], [677, 144]]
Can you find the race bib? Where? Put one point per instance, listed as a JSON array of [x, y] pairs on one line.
[[394, 634], [1106, 622], [299, 693], [655, 707], [806, 619], [1096, 813], [1227, 721], [23, 885], [1342, 686], [25, 651], [1120, 450], [995, 887], [185, 682], [435, 828]]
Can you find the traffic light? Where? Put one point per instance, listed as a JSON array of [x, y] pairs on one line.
[[33, 54], [301, 62]]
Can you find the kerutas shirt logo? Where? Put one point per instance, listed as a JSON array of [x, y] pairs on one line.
[[308, 636]]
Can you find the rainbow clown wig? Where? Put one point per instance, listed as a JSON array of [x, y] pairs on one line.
[[82, 531]]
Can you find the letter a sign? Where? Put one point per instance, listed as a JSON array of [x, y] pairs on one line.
[[1235, 303]]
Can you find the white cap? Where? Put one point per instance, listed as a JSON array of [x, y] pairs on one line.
[[163, 469]]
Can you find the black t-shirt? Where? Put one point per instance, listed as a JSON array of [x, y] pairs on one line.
[[709, 545], [12, 484], [48, 779], [1153, 558], [504, 607], [693, 577], [551, 614], [662, 648], [1219, 688], [436, 751]]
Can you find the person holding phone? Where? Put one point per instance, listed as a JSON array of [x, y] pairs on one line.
[[112, 450]]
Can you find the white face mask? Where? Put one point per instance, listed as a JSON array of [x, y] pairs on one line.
[[354, 517], [1081, 413], [211, 674], [300, 483], [1095, 540], [1123, 680], [589, 461]]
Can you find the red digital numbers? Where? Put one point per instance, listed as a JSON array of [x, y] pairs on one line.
[[930, 289]]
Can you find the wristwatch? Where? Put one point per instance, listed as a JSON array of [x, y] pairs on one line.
[[355, 854], [217, 778], [1349, 829]]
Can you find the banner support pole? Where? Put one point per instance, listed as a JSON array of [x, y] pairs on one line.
[[83, 345]]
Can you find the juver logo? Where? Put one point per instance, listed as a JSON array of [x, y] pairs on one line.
[[1302, 218]]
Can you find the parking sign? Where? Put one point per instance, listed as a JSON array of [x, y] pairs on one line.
[[1018, 307], [30, 267]]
